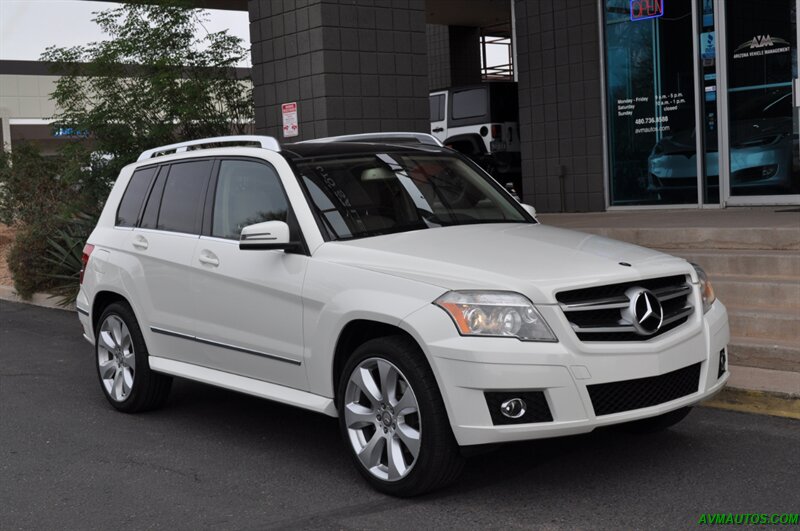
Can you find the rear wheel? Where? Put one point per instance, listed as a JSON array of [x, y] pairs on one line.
[[655, 424], [393, 419], [122, 363]]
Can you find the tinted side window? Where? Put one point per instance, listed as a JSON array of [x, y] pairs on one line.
[[150, 215], [184, 192], [247, 193], [469, 103], [132, 200], [437, 108]]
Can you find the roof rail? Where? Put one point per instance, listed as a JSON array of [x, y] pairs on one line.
[[422, 138], [266, 142]]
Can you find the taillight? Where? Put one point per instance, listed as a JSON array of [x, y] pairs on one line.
[[497, 131], [87, 252]]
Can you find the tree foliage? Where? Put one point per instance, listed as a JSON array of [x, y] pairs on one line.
[[159, 78]]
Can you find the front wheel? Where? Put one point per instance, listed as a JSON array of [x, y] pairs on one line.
[[393, 420], [122, 366]]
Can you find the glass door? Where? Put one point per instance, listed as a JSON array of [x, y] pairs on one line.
[[651, 102], [759, 135]]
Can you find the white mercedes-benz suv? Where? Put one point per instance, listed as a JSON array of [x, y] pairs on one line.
[[393, 284]]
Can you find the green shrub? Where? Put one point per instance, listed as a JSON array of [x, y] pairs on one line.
[[40, 196], [64, 252], [30, 271], [31, 188]]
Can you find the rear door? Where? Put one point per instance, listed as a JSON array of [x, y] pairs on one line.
[[249, 309], [438, 102], [161, 247]]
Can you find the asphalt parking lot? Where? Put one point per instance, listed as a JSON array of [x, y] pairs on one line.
[[213, 459]]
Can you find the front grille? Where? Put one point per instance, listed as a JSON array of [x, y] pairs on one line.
[[596, 313], [616, 397], [537, 409]]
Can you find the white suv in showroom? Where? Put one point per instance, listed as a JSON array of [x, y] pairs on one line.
[[393, 285]]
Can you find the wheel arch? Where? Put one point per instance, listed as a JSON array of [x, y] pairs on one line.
[[358, 332], [102, 300]]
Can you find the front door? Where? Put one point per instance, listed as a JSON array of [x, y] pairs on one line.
[[249, 310], [651, 103], [761, 140]]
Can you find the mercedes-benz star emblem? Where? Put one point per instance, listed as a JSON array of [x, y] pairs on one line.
[[644, 311]]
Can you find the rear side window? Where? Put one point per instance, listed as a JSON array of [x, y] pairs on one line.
[[247, 193], [132, 199], [437, 108], [183, 197], [469, 103], [150, 215]]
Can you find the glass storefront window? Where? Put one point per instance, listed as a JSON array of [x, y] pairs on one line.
[[650, 106], [762, 120]]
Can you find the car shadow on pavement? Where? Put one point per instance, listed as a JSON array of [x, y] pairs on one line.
[[603, 457]]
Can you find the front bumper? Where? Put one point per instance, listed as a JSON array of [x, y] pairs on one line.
[[467, 367]]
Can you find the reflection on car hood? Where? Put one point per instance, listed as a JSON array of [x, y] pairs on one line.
[[534, 259], [742, 132], [681, 142]]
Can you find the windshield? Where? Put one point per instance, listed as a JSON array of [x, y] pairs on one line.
[[368, 195]]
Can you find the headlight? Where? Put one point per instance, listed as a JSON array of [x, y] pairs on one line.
[[706, 290], [495, 314]]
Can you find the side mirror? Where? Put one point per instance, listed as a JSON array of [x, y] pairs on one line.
[[530, 210], [266, 235]]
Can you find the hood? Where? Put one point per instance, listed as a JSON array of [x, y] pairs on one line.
[[533, 259]]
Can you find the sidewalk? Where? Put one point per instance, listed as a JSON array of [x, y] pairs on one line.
[[7, 293]]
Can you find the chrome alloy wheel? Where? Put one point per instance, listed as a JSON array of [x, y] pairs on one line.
[[116, 360], [382, 419]]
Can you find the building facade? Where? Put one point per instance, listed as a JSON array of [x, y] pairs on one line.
[[622, 103], [25, 106]]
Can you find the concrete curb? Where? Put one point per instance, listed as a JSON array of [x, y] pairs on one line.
[[45, 300], [759, 402]]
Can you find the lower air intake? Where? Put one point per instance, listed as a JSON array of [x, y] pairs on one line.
[[616, 397]]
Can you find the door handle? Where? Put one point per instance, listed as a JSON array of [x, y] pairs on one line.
[[208, 258], [140, 242], [438, 130]]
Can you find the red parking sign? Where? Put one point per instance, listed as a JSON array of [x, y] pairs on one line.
[[290, 125]]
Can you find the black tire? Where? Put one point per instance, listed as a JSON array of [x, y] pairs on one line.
[[439, 461], [150, 389], [655, 424]]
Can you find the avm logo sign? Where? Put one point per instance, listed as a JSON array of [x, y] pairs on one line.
[[644, 9]]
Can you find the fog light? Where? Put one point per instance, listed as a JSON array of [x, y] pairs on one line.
[[513, 408], [722, 359]]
